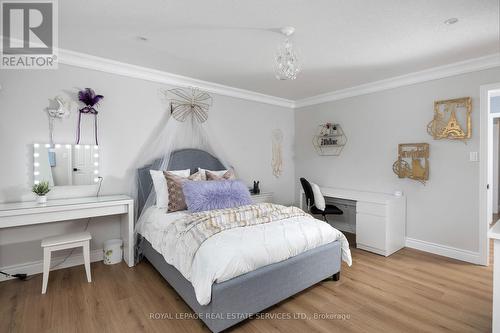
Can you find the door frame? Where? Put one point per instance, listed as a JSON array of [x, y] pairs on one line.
[[485, 168]]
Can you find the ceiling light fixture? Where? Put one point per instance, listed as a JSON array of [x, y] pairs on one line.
[[451, 21], [286, 65]]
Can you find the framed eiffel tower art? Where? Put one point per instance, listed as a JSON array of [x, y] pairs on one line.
[[452, 119]]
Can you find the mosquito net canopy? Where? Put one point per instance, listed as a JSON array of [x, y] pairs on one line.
[[186, 128]]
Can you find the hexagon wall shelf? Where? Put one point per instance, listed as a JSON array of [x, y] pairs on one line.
[[329, 139]]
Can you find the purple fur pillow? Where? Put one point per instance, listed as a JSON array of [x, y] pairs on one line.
[[215, 194]]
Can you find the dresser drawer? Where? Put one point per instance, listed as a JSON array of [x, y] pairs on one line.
[[371, 231], [371, 208], [263, 197]]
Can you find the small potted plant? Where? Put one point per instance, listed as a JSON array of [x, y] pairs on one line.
[[41, 189]]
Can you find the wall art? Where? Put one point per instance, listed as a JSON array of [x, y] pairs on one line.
[[91, 100], [277, 151], [452, 119], [329, 139], [60, 108], [185, 102], [413, 161]]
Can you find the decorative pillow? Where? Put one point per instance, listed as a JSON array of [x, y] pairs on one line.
[[176, 199], [203, 172], [319, 199], [160, 185], [229, 174], [219, 194]]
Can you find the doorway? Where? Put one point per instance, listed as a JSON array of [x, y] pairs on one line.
[[488, 165]]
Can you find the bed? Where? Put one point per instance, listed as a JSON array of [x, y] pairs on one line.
[[236, 299]]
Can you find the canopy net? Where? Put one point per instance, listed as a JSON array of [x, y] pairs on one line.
[[187, 127]]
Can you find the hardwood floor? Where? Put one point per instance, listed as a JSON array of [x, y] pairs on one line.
[[411, 291]]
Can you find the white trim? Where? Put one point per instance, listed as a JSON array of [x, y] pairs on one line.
[[485, 155], [443, 250], [462, 67], [83, 60], [36, 267]]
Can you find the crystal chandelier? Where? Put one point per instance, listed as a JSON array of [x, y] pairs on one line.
[[287, 65]]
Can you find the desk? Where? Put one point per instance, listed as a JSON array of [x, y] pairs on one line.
[[18, 214], [494, 233], [380, 219]]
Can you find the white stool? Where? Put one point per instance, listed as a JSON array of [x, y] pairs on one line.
[[63, 242]]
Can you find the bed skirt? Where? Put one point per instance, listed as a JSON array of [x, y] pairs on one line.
[[237, 299]]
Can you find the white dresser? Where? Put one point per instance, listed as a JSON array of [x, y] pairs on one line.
[[380, 219], [262, 197]]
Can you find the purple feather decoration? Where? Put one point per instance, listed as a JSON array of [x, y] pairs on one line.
[[88, 97]]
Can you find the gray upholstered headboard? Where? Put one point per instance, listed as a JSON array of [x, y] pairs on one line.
[[179, 160]]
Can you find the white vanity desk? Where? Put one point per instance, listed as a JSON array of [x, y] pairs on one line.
[[380, 219], [29, 213], [494, 234]]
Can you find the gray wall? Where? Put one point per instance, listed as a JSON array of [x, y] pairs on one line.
[[129, 114], [443, 212]]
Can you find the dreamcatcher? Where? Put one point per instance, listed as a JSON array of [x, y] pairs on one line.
[[277, 162], [189, 101]]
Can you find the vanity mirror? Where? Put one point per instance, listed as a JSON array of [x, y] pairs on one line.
[[65, 164]]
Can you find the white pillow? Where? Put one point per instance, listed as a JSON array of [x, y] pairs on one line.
[[319, 199], [160, 185], [217, 173]]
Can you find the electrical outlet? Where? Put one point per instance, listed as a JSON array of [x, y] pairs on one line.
[[473, 156]]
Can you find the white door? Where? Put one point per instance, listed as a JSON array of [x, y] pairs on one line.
[[83, 167]]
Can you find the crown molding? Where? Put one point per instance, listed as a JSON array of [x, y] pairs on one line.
[[87, 61], [435, 73]]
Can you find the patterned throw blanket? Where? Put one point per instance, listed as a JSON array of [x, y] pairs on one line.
[[192, 230]]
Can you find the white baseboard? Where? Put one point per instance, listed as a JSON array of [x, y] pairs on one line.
[[36, 267], [443, 250]]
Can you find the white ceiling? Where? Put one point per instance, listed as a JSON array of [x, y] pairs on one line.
[[342, 43]]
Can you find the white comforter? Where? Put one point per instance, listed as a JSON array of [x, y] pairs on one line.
[[237, 251]]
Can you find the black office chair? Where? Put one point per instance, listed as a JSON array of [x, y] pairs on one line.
[[329, 209]]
